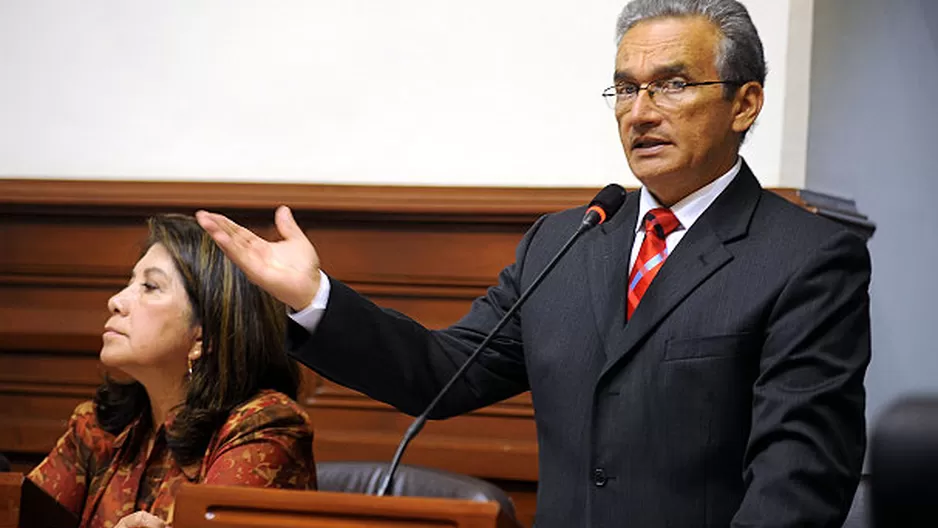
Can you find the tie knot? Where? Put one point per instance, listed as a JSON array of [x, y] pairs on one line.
[[660, 221]]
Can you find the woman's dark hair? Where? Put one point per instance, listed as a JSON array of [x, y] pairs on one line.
[[242, 344]]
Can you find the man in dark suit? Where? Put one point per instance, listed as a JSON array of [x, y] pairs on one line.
[[698, 360]]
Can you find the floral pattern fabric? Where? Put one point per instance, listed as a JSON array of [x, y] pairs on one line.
[[265, 442]]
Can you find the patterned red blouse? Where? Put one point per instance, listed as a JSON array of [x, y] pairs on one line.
[[266, 442]]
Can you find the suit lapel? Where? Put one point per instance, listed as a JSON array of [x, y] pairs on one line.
[[695, 259], [607, 255], [699, 255]]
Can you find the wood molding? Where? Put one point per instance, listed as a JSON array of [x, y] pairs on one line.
[[510, 205], [474, 204]]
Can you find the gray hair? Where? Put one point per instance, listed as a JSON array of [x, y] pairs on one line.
[[739, 57]]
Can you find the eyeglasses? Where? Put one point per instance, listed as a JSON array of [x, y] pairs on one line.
[[666, 93]]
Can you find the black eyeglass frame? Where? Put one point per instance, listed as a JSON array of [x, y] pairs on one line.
[[613, 92]]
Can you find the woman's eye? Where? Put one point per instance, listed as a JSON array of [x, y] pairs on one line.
[[149, 286]]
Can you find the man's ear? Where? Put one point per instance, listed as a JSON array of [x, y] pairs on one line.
[[746, 106]]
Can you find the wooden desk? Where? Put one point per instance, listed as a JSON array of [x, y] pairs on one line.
[[199, 506]]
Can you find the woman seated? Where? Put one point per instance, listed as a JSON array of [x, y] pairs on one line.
[[211, 399]]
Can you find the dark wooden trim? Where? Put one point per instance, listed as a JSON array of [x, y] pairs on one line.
[[427, 203], [477, 203]]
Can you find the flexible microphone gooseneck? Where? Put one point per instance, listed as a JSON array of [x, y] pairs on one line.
[[606, 203]]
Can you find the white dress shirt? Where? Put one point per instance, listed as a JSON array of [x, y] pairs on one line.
[[687, 210], [310, 316]]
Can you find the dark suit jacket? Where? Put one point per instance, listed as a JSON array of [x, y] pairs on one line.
[[733, 396]]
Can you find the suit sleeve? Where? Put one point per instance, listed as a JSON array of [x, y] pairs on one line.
[[805, 452], [392, 358]]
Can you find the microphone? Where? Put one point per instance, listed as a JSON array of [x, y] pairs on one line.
[[604, 205]]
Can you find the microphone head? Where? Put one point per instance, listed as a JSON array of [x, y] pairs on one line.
[[605, 204]]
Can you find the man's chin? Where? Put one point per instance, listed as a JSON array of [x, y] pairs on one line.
[[646, 169]]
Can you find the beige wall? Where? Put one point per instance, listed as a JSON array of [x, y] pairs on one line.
[[376, 91]]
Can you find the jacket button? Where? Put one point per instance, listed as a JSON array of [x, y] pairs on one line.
[[599, 477]]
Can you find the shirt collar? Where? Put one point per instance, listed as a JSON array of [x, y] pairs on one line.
[[694, 204], [134, 435]]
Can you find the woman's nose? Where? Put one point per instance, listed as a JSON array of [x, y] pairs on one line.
[[117, 304]]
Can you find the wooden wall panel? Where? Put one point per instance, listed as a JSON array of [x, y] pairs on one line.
[[66, 246]]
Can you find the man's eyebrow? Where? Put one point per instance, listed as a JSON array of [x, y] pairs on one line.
[[670, 70], [661, 72]]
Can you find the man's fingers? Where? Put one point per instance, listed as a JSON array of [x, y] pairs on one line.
[[243, 237], [234, 240], [227, 226], [286, 224], [211, 223], [208, 220]]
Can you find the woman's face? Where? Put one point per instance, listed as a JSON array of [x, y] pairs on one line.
[[150, 331]]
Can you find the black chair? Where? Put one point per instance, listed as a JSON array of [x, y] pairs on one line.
[[409, 481], [904, 464]]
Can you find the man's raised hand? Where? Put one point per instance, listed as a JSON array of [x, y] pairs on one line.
[[287, 269]]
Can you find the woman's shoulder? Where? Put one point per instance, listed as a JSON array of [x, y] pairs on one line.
[[268, 409], [267, 441], [269, 403], [85, 426], [86, 434]]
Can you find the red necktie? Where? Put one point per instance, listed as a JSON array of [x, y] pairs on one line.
[[658, 224]]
